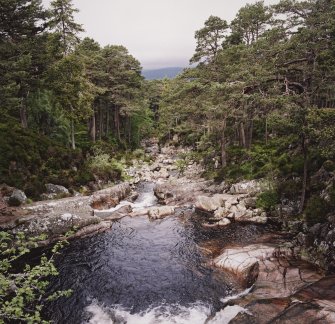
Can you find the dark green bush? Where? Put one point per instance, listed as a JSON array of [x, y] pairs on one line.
[[316, 211], [268, 200]]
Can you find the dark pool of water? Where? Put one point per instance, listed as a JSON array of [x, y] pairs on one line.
[[141, 264]]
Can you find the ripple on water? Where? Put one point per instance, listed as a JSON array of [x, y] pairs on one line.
[[141, 271]]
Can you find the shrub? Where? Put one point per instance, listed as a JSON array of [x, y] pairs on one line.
[[181, 166], [316, 210], [23, 291], [105, 167], [268, 200]]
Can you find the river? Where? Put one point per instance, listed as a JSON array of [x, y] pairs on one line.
[[144, 271]]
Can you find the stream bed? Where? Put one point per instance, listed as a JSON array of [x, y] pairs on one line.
[[144, 271]]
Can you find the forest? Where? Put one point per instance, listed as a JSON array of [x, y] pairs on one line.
[[256, 102], [261, 98]]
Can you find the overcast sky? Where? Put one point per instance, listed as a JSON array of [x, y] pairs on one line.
[[159, 33]]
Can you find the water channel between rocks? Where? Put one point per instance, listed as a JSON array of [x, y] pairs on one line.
[[144, 271]]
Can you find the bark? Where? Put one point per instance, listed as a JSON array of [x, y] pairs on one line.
[[117, 122], [107, 122], [242, 134], [250, 134], [93, 128], [100, 122], [23, 114], [266, 132], [73, 143], [223, 145], [304, 180]]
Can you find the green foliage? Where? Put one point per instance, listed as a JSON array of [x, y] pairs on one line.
[[105, 167], [29, 161], [181, 166], [268, 200], [23, 290], [316, 210]]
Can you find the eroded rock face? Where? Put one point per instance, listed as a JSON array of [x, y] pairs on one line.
[[285, 290], [59, 216]]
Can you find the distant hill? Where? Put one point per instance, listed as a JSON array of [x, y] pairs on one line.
[[156, 74]]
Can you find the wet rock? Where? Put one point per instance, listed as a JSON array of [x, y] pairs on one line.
[[224, 222], [133, 196], [114, 213], [160, 212], [17, 198], [307, 313], [243, 318], [244, 261], [262, 311]]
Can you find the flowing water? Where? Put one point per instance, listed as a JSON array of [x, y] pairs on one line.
[[144, 271]]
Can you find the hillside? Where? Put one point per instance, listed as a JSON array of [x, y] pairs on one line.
[[156, 74]]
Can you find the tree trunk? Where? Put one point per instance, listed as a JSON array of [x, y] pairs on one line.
[[100, 122], [107, 122], [73, 143], [266, 131], [223, 145], [117, 122], [250, 132], [93, 128], [242, 134], [129, 130], [304, 180], [23, 114]]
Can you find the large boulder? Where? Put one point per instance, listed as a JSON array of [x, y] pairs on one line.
[[249, 216], [17, 198], [181, 192], [56, 189], [244, 261], [159, 212], [110, 197], [251, 188], [210, 204]]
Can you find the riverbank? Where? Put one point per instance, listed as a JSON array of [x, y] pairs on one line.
[[277, 280]]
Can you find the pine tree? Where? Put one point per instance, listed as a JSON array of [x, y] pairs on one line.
[[62, 21]]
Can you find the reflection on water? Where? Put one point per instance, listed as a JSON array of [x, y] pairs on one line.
[[140, 272]]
